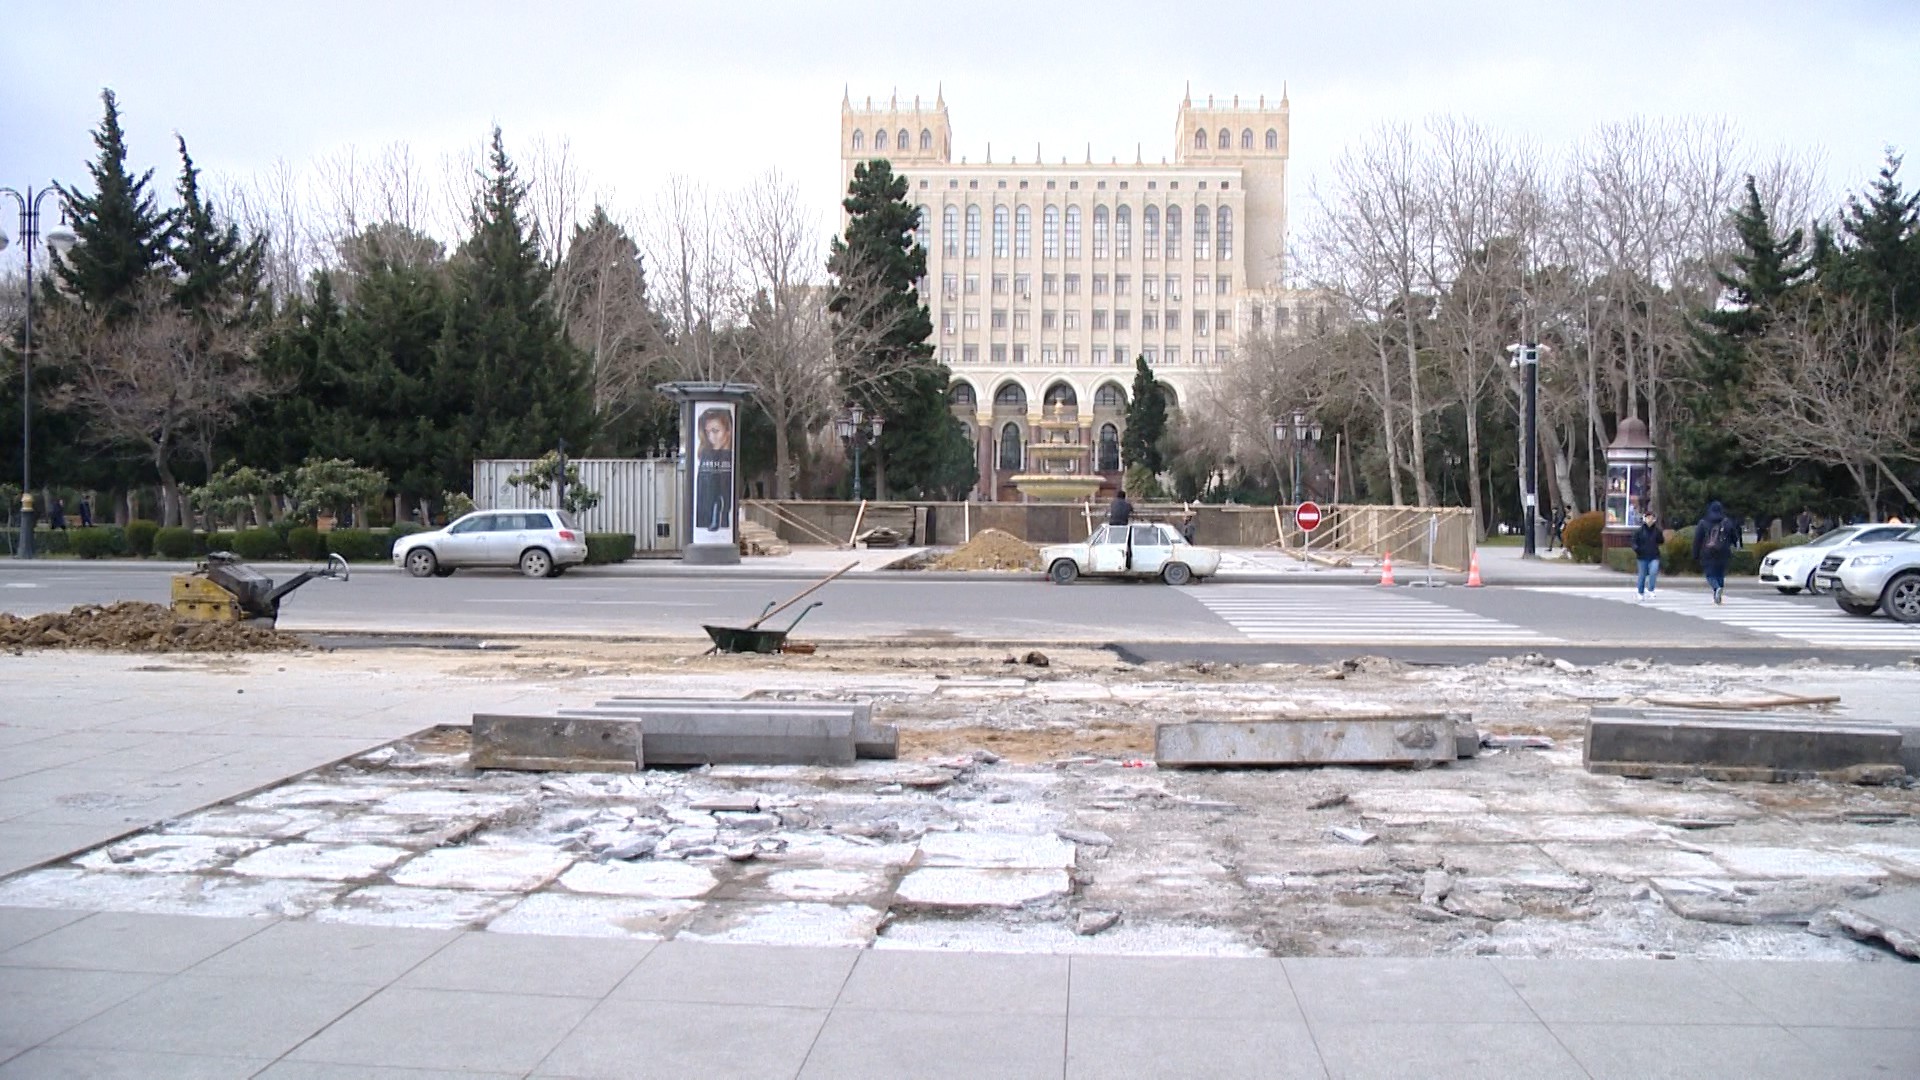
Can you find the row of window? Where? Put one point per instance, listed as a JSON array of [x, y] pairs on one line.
[[1112, 236], [1010, 395], [1121, 320], [1106, 453], [953, 184], [902, 141], [1223, 142], [1050, 285], [1069, 355]]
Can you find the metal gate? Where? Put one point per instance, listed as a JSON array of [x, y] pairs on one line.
[[637, 495]]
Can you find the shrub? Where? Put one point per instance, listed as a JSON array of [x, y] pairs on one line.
[[604, 548], [256, 544], [219, 541], [1622, 559], [383, 539], [354, 545], [305, 542], [97, 542], [140, 536], [174, 543], [1676, 555], [1582, 536]]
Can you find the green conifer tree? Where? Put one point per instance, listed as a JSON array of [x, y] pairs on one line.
[[1146, 421], [217, 273], [123, 235]]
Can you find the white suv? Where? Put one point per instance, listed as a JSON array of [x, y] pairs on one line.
[[540, 543]]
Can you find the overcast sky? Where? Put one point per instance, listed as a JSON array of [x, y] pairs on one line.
[[722, 91]]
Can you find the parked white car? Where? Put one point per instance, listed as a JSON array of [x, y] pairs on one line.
[[1143, 550], [1865, 578], [1791, 569], [540, 543]]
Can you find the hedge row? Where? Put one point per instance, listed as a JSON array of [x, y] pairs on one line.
[[604, 548], [144, 538]]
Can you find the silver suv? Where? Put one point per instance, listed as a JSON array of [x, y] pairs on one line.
[[540, 543], [1869, 577]]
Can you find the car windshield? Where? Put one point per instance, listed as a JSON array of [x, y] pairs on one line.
[[1837, 536], [1911, 535]]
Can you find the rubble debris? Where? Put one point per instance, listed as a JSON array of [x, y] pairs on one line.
[[1032, 659], [1673, 743], [1516, 742], [1783, 701], [1331, 801], [1353, 836], [757, 539], [1089, 837], [1089, 923], [1309, 740], [1890, 917], [134, 626], [990, 549]]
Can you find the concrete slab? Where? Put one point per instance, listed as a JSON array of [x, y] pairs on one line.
[[1320, 740], [433, 909], [320, 862], [1656, 743], [768, 735], [556, 743], [996, 851], [964, 887], [1892, 917], [648, 880], [485, 868]]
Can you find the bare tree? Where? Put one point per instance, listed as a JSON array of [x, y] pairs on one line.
[[155, 379], [684, 239], [1833, 384], [600, 289]]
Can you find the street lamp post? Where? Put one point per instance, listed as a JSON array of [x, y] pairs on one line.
[[59, 240], [855, 428], [1527, 355], [1303, 429]]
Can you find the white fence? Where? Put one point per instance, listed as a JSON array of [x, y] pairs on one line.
[[638, 496]]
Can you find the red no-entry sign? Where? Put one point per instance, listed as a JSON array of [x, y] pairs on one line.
[[1307, 516]]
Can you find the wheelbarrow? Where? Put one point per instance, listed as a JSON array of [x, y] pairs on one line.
[[755, 638]]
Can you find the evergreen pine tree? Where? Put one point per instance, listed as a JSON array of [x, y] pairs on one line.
[[215, 269], [1146, 421], [123, 235], [505, 365], [924, 449], [1877, 259]]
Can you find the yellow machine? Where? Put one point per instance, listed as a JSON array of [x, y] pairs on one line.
[[223, 589]]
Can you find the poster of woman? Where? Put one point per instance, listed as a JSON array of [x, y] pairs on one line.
[[713, 473]]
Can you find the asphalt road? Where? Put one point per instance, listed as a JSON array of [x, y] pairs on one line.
[[1246, 621]]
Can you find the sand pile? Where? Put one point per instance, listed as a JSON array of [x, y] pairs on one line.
[[990, 549], [131, 626]]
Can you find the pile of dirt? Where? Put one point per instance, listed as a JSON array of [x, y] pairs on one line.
[[131, 626], [990, 549]]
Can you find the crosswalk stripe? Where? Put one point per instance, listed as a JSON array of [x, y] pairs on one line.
[[1821, 625], [1333, 614]]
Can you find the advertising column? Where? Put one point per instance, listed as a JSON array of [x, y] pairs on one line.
[[710, 446]]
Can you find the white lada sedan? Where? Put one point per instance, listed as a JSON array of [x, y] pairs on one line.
[[1144, 550]]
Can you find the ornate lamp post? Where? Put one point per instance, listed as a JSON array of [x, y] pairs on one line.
[[1303, 429], [856, 429], [59, 240], [1527, 355]]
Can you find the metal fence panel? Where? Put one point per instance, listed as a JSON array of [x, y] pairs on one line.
[[637, 495]]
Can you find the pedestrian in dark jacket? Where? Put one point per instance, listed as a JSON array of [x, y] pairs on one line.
[[1120, 511], [1713, 544], [1646, 551]]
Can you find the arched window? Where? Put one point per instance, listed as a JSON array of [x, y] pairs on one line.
[[1202, 242], [1109, 396], [1109, 458], [1010, 396], [923, 228], [1073, 232], [1010, 456], [926, 139], [1100, 233], [961, 396], [1223, 233], [1022, 233], [1061, 398], [999, 232], [1122, 232], [880, 139], [1200, 139], [973, 232], [1226, 140], [901, 140], [1150, 232], [1246, 138], [1173, 232], [950, 231], [1050, 233], [859, 140], [1273, 139]]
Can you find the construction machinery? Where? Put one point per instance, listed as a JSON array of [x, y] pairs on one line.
[[224, 589]]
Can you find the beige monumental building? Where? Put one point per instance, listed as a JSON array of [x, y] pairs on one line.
[[1046, 279]]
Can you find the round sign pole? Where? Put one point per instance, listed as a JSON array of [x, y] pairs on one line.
[[1307, 518]]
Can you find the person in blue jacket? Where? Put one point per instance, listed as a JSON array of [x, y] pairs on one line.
[[1713, 542]]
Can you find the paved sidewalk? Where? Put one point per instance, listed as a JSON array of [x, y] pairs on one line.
[[156, 996]]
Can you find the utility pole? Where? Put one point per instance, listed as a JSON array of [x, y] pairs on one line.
[[1527, 355]]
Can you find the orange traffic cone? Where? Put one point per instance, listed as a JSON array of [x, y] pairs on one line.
[[1473, 572], [1386, 569]]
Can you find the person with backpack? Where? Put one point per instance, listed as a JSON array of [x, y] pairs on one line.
[[1646, 551], [1713, 543]]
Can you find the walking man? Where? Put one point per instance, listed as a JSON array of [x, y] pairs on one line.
[[1713, 543], [1646, 552]]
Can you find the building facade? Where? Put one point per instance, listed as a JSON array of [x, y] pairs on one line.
[[1046, 280]]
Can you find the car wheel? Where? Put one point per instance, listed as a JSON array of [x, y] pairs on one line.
[[536, 563], [421, 563], [1813, 582], [1788, 590], [1852, 608], [1063, 571], [1902, 598], [1176, 573]]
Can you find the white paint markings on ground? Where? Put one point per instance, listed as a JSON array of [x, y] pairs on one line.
[[1818, 623], [1339, 614]]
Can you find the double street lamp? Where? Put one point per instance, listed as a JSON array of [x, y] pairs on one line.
[[1303, 429], [1527, 355], [856, 429], [59, 240]]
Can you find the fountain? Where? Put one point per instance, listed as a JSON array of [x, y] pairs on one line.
[[1056, 455]]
